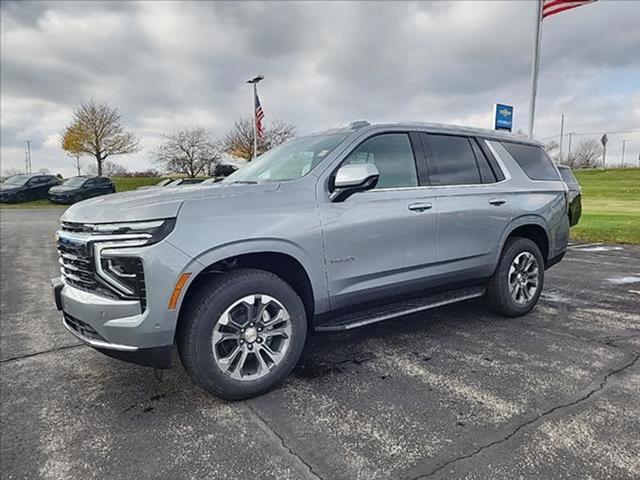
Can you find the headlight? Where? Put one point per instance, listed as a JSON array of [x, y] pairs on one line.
[[150, 231], [124, 273]]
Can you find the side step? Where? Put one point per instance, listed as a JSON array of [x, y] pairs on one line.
[[393, 310]]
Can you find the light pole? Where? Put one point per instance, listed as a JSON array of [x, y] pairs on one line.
[[29, 155], [255, 81], [561, 136], [569, 152]]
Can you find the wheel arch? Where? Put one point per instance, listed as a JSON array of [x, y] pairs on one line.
[[532, 227], [284, 263]]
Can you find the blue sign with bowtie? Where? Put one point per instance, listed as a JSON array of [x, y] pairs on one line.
[[503, 115]]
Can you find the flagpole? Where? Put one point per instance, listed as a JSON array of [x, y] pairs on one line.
[[255, 81], [255, 121], [535, 66]]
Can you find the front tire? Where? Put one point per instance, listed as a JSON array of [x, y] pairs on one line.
[[242, 333], [515, 287]]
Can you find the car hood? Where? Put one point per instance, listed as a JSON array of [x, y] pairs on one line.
[[8, 188], [154, 203], [62, 189]]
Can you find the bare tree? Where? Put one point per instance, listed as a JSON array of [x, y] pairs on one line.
[[191, 152], [109, 169], [588, 154], [44, 171], [239, 140], [10, 172], [553, 150], [96, 130]]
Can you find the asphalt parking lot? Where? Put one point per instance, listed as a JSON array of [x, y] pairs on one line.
[[452, 393]]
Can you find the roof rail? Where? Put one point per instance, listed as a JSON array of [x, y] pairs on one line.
[[359, 124]]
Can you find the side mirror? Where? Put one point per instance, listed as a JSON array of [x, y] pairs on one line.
[[351, 179]]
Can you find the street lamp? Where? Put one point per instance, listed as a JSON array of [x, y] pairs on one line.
[[255, 81]]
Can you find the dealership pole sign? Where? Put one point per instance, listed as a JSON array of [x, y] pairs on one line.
[[502, 117]]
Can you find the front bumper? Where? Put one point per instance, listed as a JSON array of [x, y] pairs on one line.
[[121, 328], [60, 199], [157, 357]]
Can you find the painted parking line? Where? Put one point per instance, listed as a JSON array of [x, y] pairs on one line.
[[595, 248]]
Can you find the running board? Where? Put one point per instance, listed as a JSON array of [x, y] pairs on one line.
[[394, 310]]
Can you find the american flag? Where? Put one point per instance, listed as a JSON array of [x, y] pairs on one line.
[[259, 113], [551, 7]]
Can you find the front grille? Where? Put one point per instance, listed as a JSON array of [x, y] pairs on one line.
[[76, 265], [82, 328], [78, 268], [73, 227]]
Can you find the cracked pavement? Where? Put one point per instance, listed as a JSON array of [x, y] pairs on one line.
[[456, 392]]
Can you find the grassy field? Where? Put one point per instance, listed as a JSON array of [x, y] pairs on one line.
[[610, 206]]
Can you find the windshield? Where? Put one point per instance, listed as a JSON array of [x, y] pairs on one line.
[[164, 182], [74, 182], [17, 180], [292, 160]]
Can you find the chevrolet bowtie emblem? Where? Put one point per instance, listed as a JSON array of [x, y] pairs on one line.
[[505, 112]]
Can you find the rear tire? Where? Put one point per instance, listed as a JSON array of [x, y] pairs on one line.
[[241, 333], [515, 287]]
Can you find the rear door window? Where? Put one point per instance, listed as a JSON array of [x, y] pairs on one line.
[[451, 160], [533, 160]]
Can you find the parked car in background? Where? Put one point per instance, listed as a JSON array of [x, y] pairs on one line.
[[574, 194], [223, 170], [172, 182], [327, 232], [79, 188], [22, 188], [185, 181], [161, 183]]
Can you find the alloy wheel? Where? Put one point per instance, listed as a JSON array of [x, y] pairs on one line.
[[251, 337], [523, 277]]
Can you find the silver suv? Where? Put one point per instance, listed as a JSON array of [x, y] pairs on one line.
[[327, 232]]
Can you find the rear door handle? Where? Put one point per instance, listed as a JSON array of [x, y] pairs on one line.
[[420, 207], [497, 201]]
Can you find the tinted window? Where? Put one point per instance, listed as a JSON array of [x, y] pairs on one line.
[[16, 180], [74, 182], [533, 160], [392, 155], [451, 161], [568, 177], [486, 173]]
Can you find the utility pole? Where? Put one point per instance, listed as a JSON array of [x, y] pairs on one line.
[[624, 144], [26, 162], [604, 140], [569, 152], [561, 136], [29, 156], [255, 81]]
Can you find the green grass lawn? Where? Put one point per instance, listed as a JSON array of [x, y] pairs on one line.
[[610, 206]]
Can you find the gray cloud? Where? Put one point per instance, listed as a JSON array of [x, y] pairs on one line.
[[169, 65]]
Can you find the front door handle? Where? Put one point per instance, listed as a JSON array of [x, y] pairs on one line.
[[497, 201], [420, 207]]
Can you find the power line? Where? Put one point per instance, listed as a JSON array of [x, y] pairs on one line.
[[608, 132]]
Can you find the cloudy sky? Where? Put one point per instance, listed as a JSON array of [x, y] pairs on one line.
[[167, 66]]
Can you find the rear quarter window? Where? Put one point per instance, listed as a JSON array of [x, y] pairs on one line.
[[533, 160], [568, 177]]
